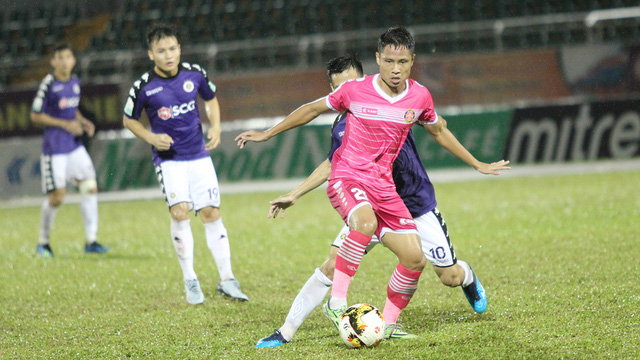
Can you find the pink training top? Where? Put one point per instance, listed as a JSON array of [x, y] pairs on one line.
[[377, 126]]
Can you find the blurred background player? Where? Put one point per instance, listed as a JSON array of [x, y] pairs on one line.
[[417, 192], [168, 94], [64, 157]]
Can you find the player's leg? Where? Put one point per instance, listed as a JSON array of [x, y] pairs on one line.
[[362, 224], [350, 200], [452, 272], [205, 193], [399, 234], [309, 297], [80, 168], [173, 179], [53, 170], [404, 280]]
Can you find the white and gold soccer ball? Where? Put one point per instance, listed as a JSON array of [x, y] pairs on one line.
[[362, 325]]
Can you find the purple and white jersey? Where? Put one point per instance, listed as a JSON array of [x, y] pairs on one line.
[[170, 104], [58, 99], [410, 177]]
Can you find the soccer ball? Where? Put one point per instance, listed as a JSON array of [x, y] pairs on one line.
[[362, 325]]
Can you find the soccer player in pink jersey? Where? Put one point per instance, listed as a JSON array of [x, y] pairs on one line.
[[382, 108]]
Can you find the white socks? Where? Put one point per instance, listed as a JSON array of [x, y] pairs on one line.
[[218, 242], [336, 302], [89, 210], [182, 238], [310, 297], [47, 216], [468, 274]]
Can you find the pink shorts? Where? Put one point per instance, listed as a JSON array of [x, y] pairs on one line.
[[346, 196]]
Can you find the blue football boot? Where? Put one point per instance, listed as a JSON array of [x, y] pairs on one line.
[[475, 294], [274, 340]]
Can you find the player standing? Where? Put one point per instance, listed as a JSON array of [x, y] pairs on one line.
[[417, 192], [381, 110], [168, 94], [64, 158]]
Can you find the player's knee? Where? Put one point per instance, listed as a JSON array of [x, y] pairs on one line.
[[86, 187], [209, 214], [55, 201], [179, 212], [365, 225], [55, 198], [415, 263]]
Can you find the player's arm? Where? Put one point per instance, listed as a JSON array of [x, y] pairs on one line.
[[74, 127], [160, 141], [317, 178], [212, 109], [87, 126], [299, 117], [443, 136]]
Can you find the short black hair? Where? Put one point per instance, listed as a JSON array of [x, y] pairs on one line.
[[398, 37], [60, 47], [161, 31], [342, 63]]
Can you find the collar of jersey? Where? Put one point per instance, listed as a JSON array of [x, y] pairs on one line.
[[153, 71], [385, 95]]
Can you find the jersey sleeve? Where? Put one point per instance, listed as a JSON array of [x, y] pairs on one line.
[[206, 88], [429, 115], [39, 104], [338, 100], [135, 101]]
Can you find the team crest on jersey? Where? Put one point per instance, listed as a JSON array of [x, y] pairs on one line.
[[164, 113], [76, 89], [409, 116], [188, 86]]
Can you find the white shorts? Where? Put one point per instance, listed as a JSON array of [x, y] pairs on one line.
[[434, 236], [57, 169], [192, 181]]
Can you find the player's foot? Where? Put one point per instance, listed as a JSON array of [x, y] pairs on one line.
[[333, 314], [394, 331], [475, 294], [194, 293], [273, 340], [231, 288], [44, 251], [95, 248]]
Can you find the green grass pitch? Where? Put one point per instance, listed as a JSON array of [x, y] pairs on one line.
[[557, 255]]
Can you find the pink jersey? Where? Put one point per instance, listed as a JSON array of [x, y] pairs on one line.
[[377, 126]]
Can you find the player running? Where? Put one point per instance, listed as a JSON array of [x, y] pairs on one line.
[[64, 157], [168, 94], [381, 109], [417, 192]]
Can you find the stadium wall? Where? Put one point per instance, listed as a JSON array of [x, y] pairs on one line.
[[578, 132]]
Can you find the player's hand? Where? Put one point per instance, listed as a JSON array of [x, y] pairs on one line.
[[162, 141], [279, 204], [74, 127], [89, 128], [214, 139], [251, 135], [494, 168]]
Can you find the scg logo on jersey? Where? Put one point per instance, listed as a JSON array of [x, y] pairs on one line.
[[166, 113], [70, 102]]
